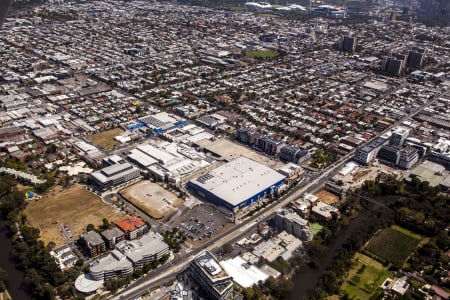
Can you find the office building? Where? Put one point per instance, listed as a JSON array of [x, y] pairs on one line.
[[367, 153], [389, 155], [207, 272], [398, 137], [347, 43], [394, 64], [114, 175], [408, 157], [415, 57], [128, 256]]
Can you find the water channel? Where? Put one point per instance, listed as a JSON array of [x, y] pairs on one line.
[[15, 277], [307, 277]]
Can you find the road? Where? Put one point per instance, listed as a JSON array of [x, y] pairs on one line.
[[169, 271]]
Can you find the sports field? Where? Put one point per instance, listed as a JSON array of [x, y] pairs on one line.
[[392, 245], [364, 278], [75, 207], [106, 139]]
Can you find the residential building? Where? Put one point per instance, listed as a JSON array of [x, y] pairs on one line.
[[93, 243], [112, 237], [293, 154], [133, 227], [64, 257], [292, 223], [207, 272], [246, 136]]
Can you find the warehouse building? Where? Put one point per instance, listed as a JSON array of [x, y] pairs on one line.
[[237, 184], [162, 121]]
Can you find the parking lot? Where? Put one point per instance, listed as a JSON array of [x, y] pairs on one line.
[[202, 222]]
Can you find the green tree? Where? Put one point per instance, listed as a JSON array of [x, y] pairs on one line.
[[3, 280], [90, 227]]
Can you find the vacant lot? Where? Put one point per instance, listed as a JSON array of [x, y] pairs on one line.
[[151, 198], [106, 139], [327, 197], [75, 207], [364, 278], [392, 245]]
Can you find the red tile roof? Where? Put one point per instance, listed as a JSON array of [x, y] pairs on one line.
[[130, 223]]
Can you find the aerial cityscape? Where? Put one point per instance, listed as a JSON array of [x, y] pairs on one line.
[[219, 150]]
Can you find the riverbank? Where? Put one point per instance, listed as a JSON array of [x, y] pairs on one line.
[[5, 296], [307, 277], [16, 283]]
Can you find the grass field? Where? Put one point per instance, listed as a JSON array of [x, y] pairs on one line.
[[75, 207], [316, 228], [364, 278], [105, 139], [392, 245], [264, 54]]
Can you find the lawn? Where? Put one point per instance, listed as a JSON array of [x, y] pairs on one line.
[[392, 245], [106, 139], [364, 278], [263, 54], [316, 228], [75, 207]]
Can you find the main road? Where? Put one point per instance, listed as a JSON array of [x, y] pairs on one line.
[[169, 270]]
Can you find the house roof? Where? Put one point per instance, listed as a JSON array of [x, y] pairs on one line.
[[130, 223]]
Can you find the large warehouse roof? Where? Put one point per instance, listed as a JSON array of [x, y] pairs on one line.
[[238, 180]]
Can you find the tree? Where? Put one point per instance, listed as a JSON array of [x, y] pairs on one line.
[[227, 248], [3, 280], [90, 227]]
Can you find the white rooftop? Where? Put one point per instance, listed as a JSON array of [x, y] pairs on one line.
[[243, 274], [238, 180], [85, 284]]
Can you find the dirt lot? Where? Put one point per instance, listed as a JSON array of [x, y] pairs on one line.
[[327, 197], [75, 207], [106, 139], [151, 198]]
